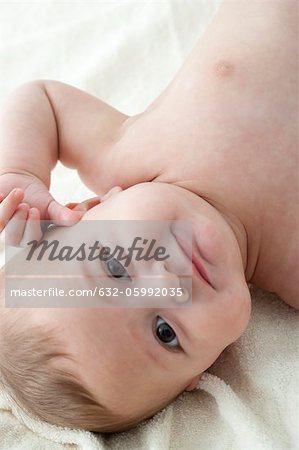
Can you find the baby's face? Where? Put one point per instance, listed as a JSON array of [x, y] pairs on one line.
[[118, 351]]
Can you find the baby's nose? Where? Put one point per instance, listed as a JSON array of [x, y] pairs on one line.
[[181, 286], [184, 296]]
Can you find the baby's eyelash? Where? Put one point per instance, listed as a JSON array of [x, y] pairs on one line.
[[160, 320]]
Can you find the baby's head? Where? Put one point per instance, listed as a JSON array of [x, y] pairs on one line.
[[60, 374], [108, 369]]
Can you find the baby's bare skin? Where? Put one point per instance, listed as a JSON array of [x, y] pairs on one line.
[[226, 128]]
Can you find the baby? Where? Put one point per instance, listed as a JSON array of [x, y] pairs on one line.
[[218, 147]]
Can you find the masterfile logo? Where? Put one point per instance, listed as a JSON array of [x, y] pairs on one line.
[[95, 264]]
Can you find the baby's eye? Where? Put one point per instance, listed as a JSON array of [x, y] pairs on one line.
[[165, 333], [116, 269]]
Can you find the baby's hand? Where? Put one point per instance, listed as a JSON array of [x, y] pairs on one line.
[[21, 223], [36, 195], [94, 201]]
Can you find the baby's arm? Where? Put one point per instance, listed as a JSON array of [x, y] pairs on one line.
[[44, 121]]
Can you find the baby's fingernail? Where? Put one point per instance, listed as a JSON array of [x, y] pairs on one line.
[[33, 212], [71, 205], [17, 192]]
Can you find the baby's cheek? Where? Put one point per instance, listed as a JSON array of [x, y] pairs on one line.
[[155, 201], [238, 307], [213, 240]]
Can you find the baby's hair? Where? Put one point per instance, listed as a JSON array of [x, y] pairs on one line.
[[32, 373]]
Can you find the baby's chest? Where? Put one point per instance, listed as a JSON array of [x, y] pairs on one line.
[[282, 243]]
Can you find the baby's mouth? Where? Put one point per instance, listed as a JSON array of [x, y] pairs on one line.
[[191, 255]]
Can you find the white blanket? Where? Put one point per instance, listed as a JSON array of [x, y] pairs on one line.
[[126, 52]]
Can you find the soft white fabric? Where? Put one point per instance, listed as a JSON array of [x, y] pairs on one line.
[[126, 52]]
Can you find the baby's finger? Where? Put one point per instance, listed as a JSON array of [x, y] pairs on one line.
[[15, 227], [8, 206], [32, 230], [85, 205], [61, 215], [112, 191]]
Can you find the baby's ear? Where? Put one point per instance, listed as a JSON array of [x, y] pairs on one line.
[[193, 384]]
